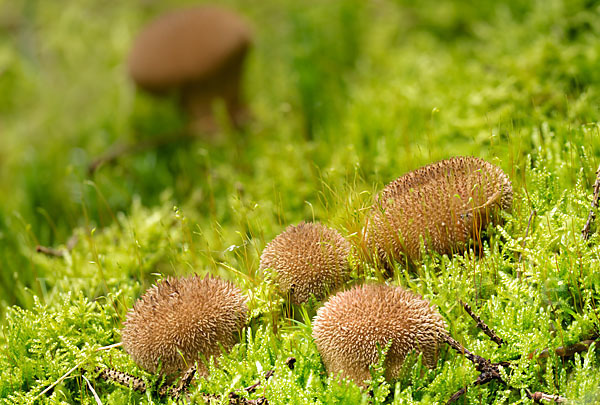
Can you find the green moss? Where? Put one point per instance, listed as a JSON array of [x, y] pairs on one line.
[[346, 96]]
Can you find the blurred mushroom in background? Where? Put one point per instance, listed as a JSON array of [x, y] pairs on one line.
[[197, 52]]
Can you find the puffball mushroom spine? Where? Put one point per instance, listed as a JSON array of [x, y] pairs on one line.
[[443, 205], [348, 328], [310, 259], [178, 320]]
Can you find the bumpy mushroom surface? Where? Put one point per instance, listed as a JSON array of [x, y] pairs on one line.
[[310, 259], [198, 51], [349, 326], [445, 204], [180, 319]]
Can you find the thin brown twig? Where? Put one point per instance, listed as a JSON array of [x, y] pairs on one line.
[[565, 351], [542, 396], [490, 371], [137, 384], [235, 399], [585, 232], [184, 382], [119, 377], [49, 251], [118, 150], [457, 395], [473, 358], [483, 326], [253, 387]]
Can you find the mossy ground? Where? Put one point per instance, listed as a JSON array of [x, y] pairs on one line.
[[345, 96]]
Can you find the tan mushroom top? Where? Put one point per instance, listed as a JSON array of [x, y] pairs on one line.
[[180, 320], [186, 45], [348, 328]]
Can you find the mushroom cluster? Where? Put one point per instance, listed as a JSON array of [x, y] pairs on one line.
[[310, 259], [181, 320], [442, 205], [197, 52], [350, 326]]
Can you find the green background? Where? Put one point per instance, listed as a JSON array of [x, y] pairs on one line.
[[345, 97]]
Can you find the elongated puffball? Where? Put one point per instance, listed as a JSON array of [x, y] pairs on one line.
[[310, 259], [179, 320], [444, 204], [348, 328]]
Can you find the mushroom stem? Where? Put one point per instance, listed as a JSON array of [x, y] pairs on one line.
[[198, 98], [197, 52]]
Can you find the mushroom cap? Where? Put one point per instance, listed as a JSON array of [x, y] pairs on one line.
[[309, 259], [445, 203], [180, 319], [348, 328], [187, 45]]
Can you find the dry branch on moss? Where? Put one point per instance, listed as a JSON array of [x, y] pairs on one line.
[[50, 251], [118, 150], [490, 371], [585, 232], [482, 325], [565, 351], [137, 384]]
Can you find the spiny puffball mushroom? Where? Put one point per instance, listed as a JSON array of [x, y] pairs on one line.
[[348, 328], [178, 320], [310, 259], [198, 51], [445, 204]]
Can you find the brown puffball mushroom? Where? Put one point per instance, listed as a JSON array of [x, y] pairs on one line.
[[445, 204], [348, 328], [310, 259], [180, 320], [198, 52]]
